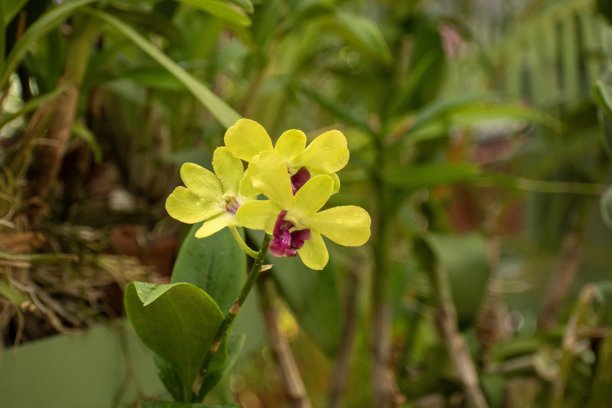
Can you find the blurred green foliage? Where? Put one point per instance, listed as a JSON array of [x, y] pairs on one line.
[[480, 143]]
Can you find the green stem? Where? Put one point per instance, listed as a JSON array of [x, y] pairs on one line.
[[247, 250], [231, 314]]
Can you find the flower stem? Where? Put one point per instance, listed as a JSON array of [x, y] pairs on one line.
[[231, 314], [247, 250]]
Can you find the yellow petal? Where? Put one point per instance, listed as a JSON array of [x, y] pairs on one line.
[[259, 215], [290, 144], [246, 186], [314, 252], [215, 224], [246, 139], [269, 175], [336, 179], [347, 225], [314, 194], [200, 181], [228, 168], [187, 207], [328, 153]]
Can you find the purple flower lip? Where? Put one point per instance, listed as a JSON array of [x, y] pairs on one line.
[[286, 243], [231, 205], [299, 179]]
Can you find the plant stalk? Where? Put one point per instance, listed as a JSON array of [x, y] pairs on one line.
[[459, 354], [247, 250], [231, 314], [293, 385]]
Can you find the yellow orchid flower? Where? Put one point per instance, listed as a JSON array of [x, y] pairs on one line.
[[326, 154], [295, 221], [214, 197]]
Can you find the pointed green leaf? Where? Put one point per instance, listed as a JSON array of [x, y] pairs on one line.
[[222, 11], [178, 322], [361, 32], [223, 112], [215, 264]]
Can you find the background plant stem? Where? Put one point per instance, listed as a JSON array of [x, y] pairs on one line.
[[231, 314], [293, 385]]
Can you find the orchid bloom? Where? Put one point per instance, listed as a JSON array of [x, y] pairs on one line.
[[214, 197], [295, 221], [326, 154]]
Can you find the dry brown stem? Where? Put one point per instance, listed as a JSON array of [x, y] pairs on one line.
[[561, 279], [293, 385]]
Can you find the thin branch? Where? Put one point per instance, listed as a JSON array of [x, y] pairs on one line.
[[562, 278], [341, 371], [231, 314], [446, 322], [293, 385]]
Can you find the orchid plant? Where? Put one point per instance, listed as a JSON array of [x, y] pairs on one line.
[[281, 190]]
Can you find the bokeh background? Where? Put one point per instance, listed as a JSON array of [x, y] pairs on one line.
[[480, 136]]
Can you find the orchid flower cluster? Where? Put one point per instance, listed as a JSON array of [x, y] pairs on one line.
[[296, 180]]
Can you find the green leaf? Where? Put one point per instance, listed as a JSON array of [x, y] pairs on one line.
[[33, 104], [436, 118], [178, 322], [235, 343], [465, 260], [11, 294], [149, 19], [11, 8], [332, 106], [244, 4], [154, 77], [84, 133], [221, 10], [169, 377], [49, 20], [215, 264], [606, 207], [220, 110], [167, 404], [314, 300], [603, 93], [431, 175], [605, 8], [361, 32]]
